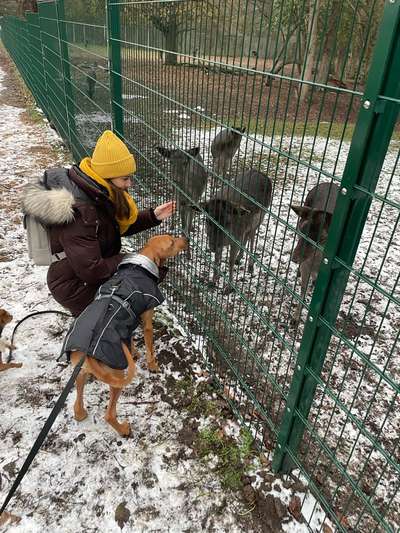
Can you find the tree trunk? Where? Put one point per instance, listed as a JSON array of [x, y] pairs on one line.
[[311, 52], [327, 61], [171, 41]]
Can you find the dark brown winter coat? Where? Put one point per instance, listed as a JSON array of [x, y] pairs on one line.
[[91, 242]]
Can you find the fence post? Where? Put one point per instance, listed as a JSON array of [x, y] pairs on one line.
[[114, 59], [372, 134]]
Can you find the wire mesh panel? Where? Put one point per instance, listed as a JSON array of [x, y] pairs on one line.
[[273, 124], [86, 41], [34, 45], [274, 95], [52, 60]]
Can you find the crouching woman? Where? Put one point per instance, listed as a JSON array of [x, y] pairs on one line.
[[87, 209]]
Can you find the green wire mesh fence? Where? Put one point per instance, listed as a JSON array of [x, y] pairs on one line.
[[242, 110]]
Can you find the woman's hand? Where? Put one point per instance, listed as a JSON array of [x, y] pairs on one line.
[[164, 211]]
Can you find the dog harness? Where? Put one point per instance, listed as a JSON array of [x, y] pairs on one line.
[[114, 314]]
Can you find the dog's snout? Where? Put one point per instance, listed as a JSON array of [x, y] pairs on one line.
[[295, 258], [183, 241]]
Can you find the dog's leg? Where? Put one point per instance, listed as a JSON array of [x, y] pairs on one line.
[[304, 273], [79, 408], [123, 428], [217, 261], [147, 318], [8, 517], [134, 351], [6, 366]]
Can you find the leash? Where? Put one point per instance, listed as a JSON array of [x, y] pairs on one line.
[[43, 433], [23, 320]]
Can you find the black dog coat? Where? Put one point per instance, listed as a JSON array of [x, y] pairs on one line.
[[114, 314]]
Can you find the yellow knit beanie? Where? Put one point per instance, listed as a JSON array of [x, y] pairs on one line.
[[111, 157]]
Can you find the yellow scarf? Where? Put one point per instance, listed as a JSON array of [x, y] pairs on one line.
[[124, 223]]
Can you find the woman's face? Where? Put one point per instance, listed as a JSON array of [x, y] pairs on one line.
[[124, 182]]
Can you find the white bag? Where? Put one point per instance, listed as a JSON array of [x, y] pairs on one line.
[[39, 249]]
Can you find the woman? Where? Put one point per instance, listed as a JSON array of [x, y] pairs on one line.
[[88, 209]]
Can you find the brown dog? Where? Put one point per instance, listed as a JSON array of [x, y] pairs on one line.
[[156, 250], [9, 518], [5, 318]]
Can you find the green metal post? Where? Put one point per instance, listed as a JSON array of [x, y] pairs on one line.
[[69, 97], [375, 124], [114, 56]]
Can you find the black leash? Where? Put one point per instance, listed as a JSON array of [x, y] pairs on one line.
[[23, 320], [43, 433]]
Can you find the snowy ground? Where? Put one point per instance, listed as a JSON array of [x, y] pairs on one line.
[[86, 478], [369, 320]]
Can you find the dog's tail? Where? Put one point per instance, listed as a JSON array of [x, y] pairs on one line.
[[99, 371]]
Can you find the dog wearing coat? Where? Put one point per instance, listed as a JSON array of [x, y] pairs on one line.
[[103, 331]]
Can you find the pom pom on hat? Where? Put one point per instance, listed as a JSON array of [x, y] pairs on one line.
[[111, 157]]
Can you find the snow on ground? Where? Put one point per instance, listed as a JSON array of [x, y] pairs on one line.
[[86, 478], [369, 319]]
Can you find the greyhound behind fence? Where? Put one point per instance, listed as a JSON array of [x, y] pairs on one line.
[[224, 146], [188, 171], [315, 217], [240, 216]]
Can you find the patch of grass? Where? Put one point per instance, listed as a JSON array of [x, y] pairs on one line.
[[233, 457], [184, 385], [202, 406], [198, 405], [34, 115], [287, 128]]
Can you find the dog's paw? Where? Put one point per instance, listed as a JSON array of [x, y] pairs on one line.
[[124, 429], [8, 517], [80, 414], [153, 366]]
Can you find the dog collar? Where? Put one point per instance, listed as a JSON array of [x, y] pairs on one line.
[[143, 261]]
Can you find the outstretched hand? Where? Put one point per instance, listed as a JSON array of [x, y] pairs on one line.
[[164, 211]]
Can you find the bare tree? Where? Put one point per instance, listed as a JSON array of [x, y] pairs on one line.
[[26, 5]]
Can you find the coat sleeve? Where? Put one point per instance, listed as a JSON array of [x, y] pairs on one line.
[[146, 219], [81, 246]]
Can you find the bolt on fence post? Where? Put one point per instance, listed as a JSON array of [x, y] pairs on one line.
[[114, 61], [368, 148]]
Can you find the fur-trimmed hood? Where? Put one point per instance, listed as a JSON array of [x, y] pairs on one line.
[[49, 206], [53, 198]]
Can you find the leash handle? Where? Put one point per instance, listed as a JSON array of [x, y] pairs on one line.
[[43, 433], [23, 320]]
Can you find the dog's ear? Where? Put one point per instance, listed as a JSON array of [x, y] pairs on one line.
[[240, 130], [164, 152], [193, 151], [238, 209], [302, 211]]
